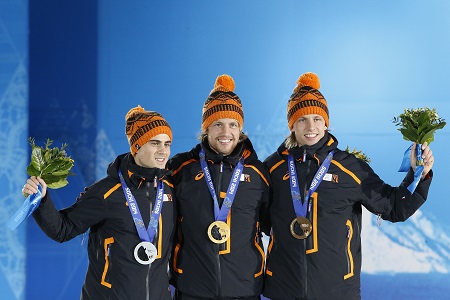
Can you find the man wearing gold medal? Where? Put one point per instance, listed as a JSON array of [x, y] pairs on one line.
[[221, 186], [130, 214], [314, 250]]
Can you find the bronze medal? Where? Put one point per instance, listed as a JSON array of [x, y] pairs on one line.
[[302, 230], [218, 232]]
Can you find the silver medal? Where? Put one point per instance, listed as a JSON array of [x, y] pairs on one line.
[[150, 251]]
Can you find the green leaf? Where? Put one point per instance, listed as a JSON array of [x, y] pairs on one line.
[[408, 134], [50, 178], [61, 173], [427, 136], [51, 167], [31, 170], [59, 184], [37, 159]]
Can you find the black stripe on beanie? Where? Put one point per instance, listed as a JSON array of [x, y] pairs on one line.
[[222, 107], [307, 90], [224, 96], [304, 104], [147, 127]]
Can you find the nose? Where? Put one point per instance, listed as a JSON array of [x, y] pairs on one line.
[[161, 148], [226, 130], [309, 123]]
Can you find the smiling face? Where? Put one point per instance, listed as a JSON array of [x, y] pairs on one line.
[[309, 129], [223, 135], [154, 153]]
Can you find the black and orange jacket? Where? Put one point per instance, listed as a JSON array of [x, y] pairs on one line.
[[113, 272], [327, 264], [235, 268]]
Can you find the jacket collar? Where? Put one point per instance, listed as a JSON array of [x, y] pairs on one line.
[[132, 173]]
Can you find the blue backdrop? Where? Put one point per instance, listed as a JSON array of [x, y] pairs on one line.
[[71, 70]]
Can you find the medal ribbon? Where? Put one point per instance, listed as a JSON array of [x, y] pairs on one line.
[[221, 214], [406, 164], [300, 206], [149, 234], [28, 206]]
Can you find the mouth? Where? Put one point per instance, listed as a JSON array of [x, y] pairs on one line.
[[160, 160], [224, 141], [311, 135]]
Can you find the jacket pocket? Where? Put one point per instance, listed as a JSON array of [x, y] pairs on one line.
[[258, 245], [348, 251], [107, 246]]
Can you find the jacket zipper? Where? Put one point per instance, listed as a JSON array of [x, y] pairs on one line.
[[219, 273], [305, 259]]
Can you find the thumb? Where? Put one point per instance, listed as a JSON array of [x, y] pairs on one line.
[[43, 185]]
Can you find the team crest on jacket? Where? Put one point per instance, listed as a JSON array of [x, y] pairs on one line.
[[331, 177], [245, 177]]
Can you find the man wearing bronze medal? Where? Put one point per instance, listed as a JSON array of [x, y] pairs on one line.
[[130, 214], [221, 186], [318, 192]]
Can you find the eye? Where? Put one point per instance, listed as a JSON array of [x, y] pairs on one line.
[[234, 125], [155, 143], [167, 144]]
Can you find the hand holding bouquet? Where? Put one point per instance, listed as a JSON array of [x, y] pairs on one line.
[[53, 166], [418, 126]]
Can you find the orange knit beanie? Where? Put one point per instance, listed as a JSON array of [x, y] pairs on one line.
[[222, 103], [142, 126], [306, 99]]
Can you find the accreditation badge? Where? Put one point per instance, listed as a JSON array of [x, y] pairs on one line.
[[145, 253], [300, 228], [218, 232]]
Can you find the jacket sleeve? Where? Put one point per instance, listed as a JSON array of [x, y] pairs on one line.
[[395, 204], [65, 224]]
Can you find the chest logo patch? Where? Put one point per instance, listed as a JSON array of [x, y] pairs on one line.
[[245, 177], [199, 176], [331, 177]]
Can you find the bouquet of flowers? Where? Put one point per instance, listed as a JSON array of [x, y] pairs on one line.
[[418, 125], [51, 164]]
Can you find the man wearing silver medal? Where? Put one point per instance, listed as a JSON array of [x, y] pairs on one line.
[[221, 186], [318, 192], [130, 214]]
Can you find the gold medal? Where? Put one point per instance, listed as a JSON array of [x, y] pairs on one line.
[[218, 232], [303, 229]]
